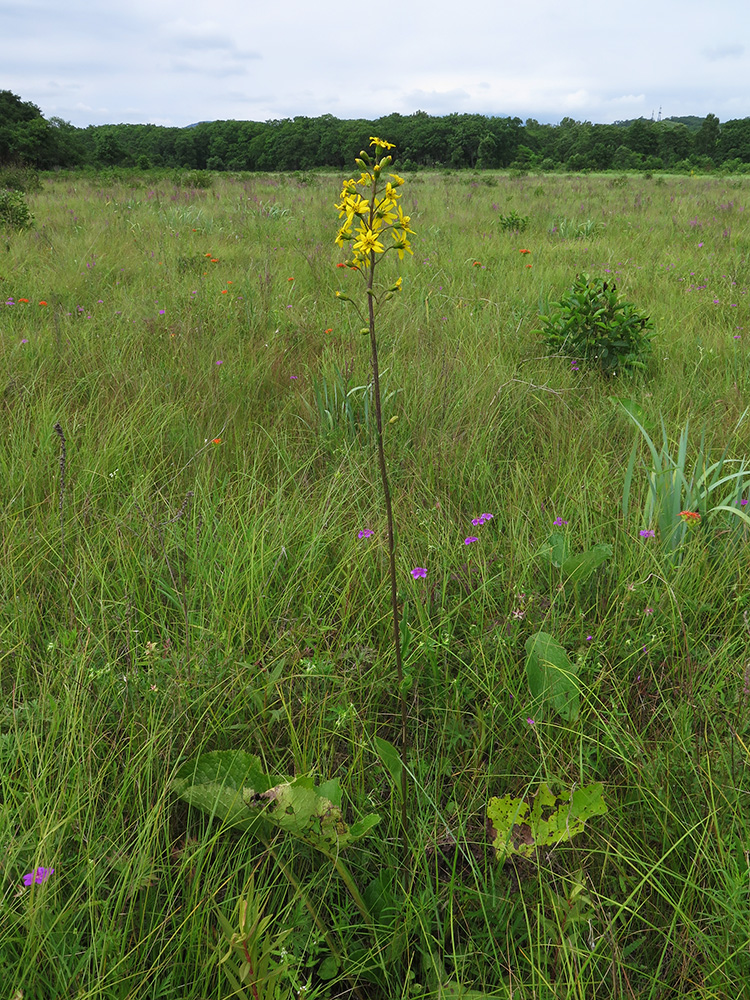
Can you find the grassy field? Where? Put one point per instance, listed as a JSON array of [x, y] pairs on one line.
[[187, 460]]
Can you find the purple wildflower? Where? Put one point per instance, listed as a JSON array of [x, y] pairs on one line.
[[418, 571], [365, 533], [531, 721], [558, 522], [39, 875], [470, 539], [647, 533]]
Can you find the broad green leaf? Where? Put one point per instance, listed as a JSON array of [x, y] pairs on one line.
[[215, 782], [578, 568], [634, 409], [551, 675], [298, 808], [551, 816], [230, 785], [392, 760], [555, 550]]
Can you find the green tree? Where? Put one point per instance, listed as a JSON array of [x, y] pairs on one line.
[[707, 137], [734, 141]]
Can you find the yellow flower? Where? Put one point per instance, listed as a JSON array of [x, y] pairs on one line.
[[398, 181], [343, 234], [381, 143], [351, 205], [401, 243], [403, 222], [390, 192], [368, 241], [384, 215]]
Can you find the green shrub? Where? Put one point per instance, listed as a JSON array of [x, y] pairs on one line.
[[568, 229], [592, 323], [14, 212], [19, 177], [513, 222]]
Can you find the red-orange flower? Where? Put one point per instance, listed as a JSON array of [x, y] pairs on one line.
[[690, 516], [23, 300], [42, 302], [216, 441], [524, 251]]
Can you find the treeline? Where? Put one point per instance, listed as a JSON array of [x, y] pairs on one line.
[[422, 140]]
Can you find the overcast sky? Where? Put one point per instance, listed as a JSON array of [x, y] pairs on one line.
[[175, 62]]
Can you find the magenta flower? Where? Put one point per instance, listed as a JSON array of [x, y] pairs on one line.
[[39, 875], [531, 721], [219, 362], [482, 519], [558, 522], [419, 571], [470, 539], [365, 533], [647, 533]]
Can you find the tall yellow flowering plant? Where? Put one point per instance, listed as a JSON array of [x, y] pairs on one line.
[[373, 225]]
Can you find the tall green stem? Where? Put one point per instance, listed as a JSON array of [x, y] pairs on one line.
[[391, 552]]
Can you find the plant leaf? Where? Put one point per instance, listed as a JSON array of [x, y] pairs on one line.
[[216, 782], [578, 568], [551, 816], [298, 808], [555, 550], [551, 675]]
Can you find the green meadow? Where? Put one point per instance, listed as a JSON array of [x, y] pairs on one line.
[[194, 560]]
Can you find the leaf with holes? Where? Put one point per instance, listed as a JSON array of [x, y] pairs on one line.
[[549, 817]]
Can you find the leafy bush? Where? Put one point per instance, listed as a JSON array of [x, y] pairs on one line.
[[14, 212], [513, 222], [568, 229], [592, 323], [19, 177]]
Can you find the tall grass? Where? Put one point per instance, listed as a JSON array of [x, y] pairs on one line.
[[197, 583]]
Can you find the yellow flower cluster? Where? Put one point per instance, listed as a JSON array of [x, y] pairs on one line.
[[375, 215]]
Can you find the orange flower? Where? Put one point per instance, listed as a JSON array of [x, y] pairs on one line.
[[528, 265], [42, 302], [214, 260], [23, 300], [223, 291], [690, 516], [216, 441], [477, 263], [524, 251], [342, 265], [290, 279], [329, 330]]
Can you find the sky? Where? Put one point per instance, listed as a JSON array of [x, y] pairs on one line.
[[177, 62]]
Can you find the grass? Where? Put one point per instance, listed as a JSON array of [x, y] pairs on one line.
[[180, 595]]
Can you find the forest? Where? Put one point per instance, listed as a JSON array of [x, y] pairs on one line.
[[452, 141]]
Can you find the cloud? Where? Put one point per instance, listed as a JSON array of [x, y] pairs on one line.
[[436, 101], [724, 52], [627, 99]]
